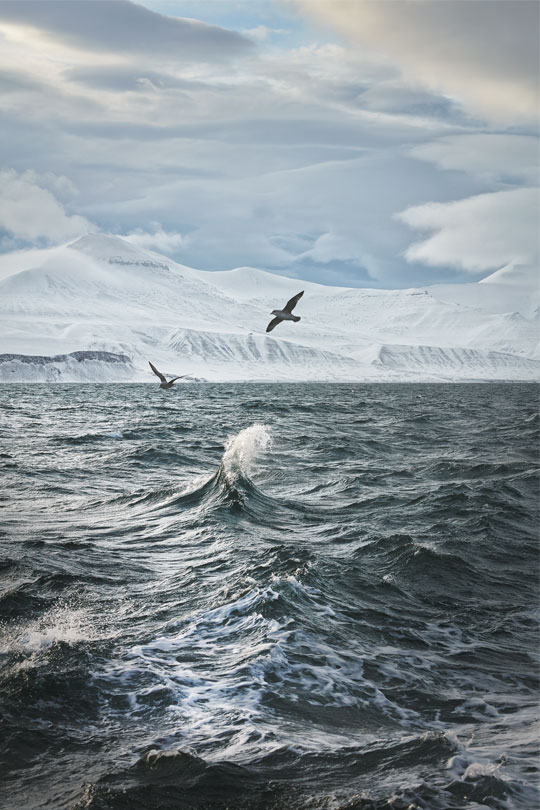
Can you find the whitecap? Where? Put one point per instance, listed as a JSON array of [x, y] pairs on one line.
[[241, 451]]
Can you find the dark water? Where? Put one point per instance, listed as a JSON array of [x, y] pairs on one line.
[[269, 596]]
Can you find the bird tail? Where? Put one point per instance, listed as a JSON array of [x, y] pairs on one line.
[[295, 318]]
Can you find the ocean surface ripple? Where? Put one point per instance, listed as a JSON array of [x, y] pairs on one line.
[[274, 597]]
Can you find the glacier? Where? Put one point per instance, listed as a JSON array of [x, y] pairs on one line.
[[98, 309]]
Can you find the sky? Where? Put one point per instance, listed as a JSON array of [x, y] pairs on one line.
[[365, 143]]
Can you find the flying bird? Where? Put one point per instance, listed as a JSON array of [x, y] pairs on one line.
[[285, 313], [164, 383]]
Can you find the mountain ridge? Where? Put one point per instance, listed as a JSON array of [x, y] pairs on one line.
[[101, 293]]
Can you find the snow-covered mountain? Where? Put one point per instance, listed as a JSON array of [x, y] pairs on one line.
[[101, 294]]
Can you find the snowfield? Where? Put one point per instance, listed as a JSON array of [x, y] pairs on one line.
[[100, 308]]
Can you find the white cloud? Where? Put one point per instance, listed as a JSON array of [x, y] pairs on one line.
[[17, 260], [57, 184], [493, 157], [167, 242], [261, 32], [32, 213], [332, 246], [479, 233], [484, 53]]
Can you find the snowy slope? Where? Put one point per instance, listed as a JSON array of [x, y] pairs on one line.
[[512, 289], [102, 294]]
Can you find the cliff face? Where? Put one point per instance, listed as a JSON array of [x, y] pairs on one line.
[[85, 366]]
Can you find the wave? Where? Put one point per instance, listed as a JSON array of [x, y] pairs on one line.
[[90, 438], [63, 623], [284, 780], [232, 485], [241, 452], [181, 633]]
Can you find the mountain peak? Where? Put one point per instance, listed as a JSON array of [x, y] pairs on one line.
[[104, 246], [516, 275]]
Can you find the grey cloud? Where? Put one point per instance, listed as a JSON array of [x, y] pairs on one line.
[[12, 81], [483, 52], [497, 158], [121, 79], [124, 27], [157, 173], [272, 130], [92, 172], [123, 130], [33, 144], [399, 98]]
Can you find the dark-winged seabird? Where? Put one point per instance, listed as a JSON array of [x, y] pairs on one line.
[[285, 313], [164, 383]]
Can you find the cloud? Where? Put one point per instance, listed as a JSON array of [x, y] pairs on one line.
[[483, 232], [332, 246], [167, 242], [57, 184], [13, 81], [32, 214], [122, 27], [483, 53], [119, 79], [311, 220], [291, 159], [492, 157], [261, 32]]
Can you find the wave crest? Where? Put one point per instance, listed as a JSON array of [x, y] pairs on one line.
[[232, 483], [242, 450]]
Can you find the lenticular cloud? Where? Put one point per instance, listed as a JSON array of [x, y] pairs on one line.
[[479, 233]]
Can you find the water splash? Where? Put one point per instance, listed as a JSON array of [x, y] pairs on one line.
[[242, 450], [63, 623]]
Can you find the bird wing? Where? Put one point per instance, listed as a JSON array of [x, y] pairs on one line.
[[157, 373], [178, 378], [273, 322], [290, 305]]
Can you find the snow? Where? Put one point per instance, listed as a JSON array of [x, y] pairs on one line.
[[74, 367], [513, 288], [103, 294]]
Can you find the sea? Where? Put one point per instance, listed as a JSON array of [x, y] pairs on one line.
[[269, 597]]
